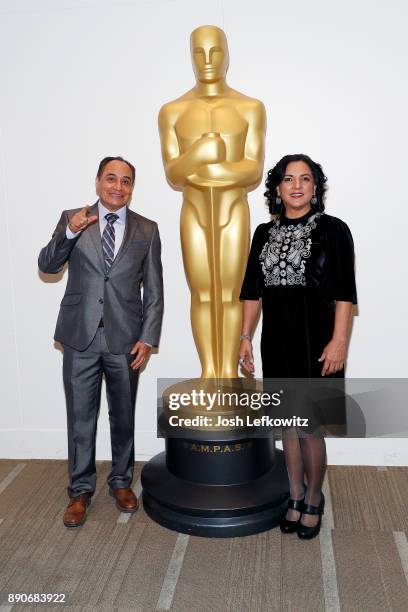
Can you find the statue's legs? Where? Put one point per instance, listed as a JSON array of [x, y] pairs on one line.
[[196, 263], [234, 242], [215, 247]]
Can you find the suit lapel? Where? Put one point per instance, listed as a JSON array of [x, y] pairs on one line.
[[130, 225], [95, 234]]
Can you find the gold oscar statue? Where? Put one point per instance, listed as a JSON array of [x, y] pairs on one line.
[[214, 479], [213, 150]]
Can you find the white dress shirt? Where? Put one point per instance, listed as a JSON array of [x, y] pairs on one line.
[[119, 225]]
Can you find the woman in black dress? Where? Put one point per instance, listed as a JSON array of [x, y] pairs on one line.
[[301, 271]]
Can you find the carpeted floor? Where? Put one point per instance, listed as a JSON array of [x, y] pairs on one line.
[[122, 562]]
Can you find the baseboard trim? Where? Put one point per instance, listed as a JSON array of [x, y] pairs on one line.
[[52, 444]]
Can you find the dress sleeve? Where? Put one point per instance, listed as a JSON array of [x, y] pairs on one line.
[[252, 287], [341, 283]]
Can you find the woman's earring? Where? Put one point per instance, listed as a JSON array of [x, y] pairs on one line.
[[278, 199], [313, 201]]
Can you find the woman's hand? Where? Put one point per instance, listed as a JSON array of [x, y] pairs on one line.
[[334, 355], [246, 358]]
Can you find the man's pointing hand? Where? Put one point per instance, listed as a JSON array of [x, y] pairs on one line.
[[81, 220]]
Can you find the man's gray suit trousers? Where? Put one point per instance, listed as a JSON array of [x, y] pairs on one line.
[[83, 371]]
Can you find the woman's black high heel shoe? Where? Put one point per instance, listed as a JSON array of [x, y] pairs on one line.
[[307, 533], [287, 526]]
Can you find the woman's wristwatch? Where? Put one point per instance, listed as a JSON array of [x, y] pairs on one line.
[[245, 337]]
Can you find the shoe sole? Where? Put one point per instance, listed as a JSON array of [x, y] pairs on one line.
[[125, 510], [308, 537], [290, 530], [70, 526]]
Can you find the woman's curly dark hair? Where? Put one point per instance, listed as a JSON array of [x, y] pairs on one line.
[[275, 177]]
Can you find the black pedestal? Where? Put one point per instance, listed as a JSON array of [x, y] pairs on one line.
[[224, 487]]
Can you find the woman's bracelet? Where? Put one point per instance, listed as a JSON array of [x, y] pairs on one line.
[[245, 337]]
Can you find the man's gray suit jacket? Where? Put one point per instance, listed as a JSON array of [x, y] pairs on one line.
[[93, 293]]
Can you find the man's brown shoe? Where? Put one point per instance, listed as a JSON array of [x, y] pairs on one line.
[[126, 500], [75, 514]]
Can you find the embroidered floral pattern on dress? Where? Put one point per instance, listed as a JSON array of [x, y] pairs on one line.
[[283, 258]]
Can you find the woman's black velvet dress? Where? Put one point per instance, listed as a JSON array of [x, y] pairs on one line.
[[299, 267]]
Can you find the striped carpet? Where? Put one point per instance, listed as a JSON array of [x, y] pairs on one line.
[[123, 562]]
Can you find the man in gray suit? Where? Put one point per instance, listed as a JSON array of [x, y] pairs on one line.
[[105, 327]]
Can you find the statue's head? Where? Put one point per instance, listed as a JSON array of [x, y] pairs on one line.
[[209, 53]]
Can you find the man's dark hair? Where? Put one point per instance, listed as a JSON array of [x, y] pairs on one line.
[[106, 160], [276, 174]]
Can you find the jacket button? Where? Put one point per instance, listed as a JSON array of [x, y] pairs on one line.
[[106, 278], [100, 300]]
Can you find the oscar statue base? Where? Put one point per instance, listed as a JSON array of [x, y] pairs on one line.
[[222, 487]]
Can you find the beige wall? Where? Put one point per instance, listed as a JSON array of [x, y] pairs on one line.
[[83, 79]]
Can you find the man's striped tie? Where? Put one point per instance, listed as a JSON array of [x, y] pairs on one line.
[[108, 239]]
